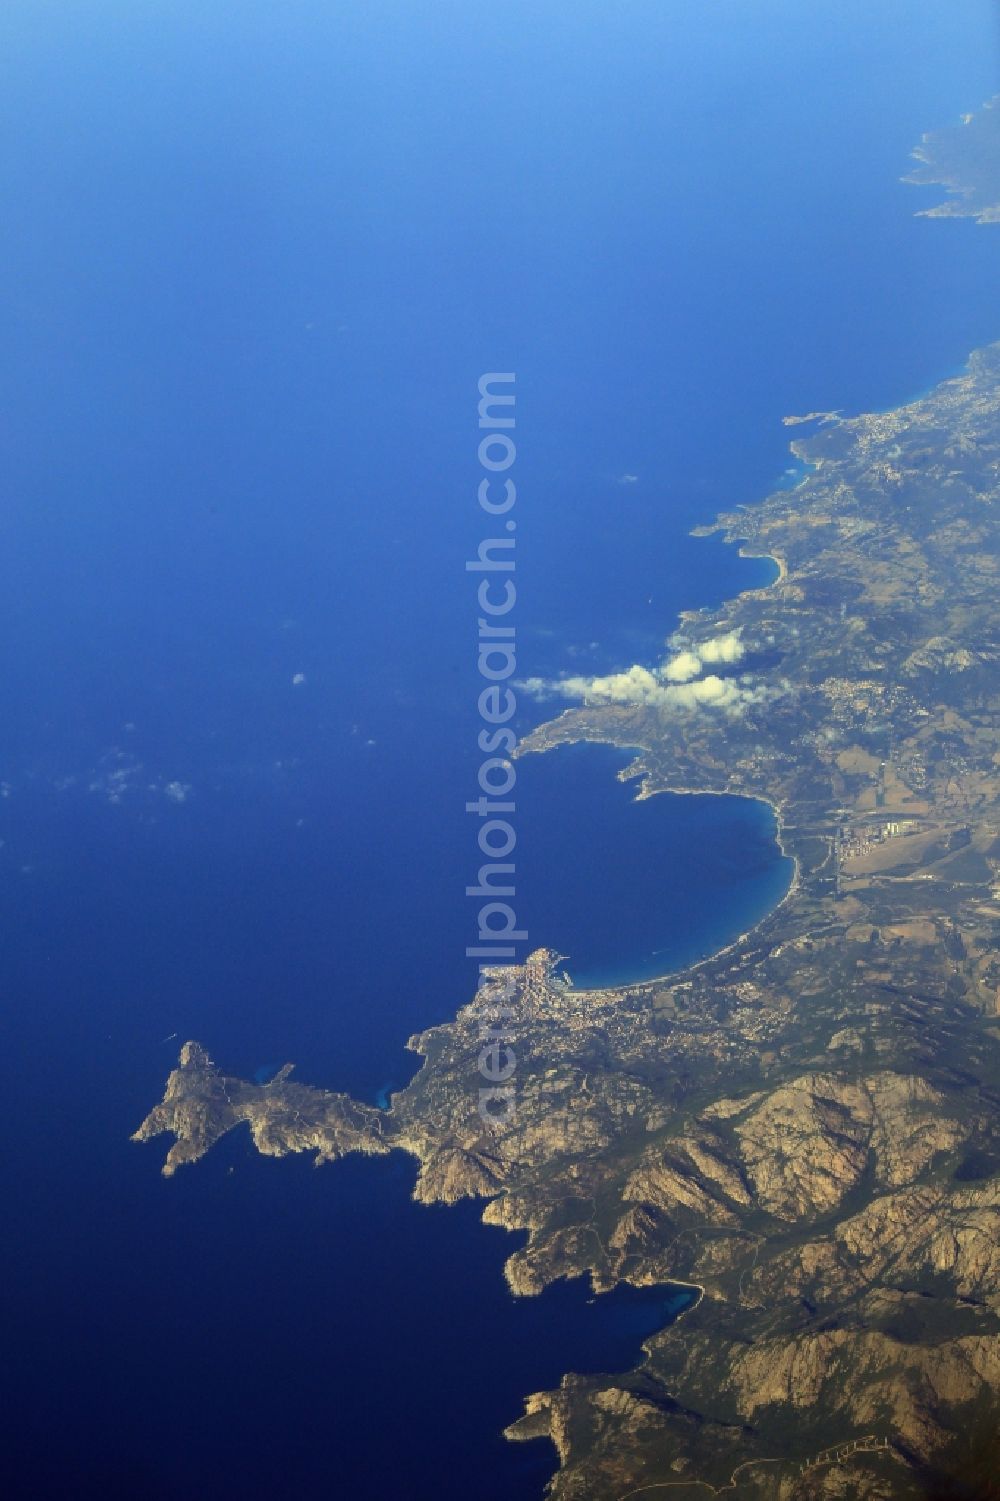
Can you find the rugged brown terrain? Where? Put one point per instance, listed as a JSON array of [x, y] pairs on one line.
[[804, 1126]]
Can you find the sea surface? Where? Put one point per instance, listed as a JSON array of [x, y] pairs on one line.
[[255, 260]]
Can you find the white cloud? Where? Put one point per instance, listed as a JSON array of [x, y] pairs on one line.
[[676, 684], [690, 662], [682, 668], [728, 648], [635, 686], [720, 693]]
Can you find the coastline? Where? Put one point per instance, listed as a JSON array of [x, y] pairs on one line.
[[650, 1144], [634, 770], [728, 948], [726, 523], [778, 562]]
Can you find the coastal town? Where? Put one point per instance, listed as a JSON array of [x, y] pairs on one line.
[[764, 1125]]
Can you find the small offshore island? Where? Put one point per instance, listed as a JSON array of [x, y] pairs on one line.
[[805, 1126], [965, 159]]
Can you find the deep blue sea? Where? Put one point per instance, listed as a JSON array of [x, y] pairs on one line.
[[255, 258]]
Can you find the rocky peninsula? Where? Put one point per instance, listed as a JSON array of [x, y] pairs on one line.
[[804, 1126]]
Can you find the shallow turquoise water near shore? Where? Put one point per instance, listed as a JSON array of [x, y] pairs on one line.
[[632, 889], [248, 258]]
